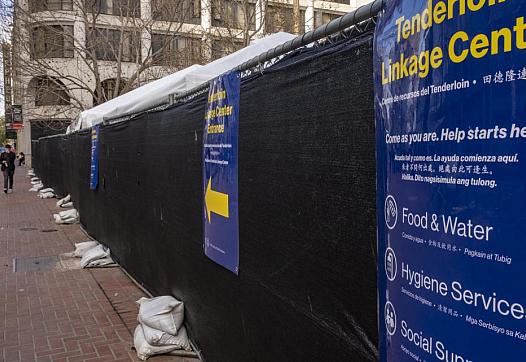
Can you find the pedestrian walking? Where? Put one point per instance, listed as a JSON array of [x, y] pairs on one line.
[[21, 159], [7, 160]]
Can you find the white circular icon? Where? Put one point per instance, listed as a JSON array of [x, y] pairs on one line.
[[390, 264], [390, 212], [390, 318]]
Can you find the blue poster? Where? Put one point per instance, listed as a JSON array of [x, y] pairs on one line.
[[94, 171], [450, 103], [220, 167]]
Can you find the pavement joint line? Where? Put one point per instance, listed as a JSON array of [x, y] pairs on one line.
[[111, 303]]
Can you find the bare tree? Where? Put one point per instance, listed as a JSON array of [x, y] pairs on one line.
[[234, 25], [71, 54]]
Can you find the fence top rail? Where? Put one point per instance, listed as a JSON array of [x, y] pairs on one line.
[[363, 13], [51, 136], [354, 18]]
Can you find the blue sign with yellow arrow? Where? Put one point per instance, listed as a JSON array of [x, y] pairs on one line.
[[220, 174]]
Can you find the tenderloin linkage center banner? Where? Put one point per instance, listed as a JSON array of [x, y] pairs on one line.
[[450, 79]]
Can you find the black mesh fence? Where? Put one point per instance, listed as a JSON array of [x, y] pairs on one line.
[[41, 129], [306, 289]]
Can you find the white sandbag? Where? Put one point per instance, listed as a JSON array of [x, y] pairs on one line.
[[155, 337], [146, 350], [63, 201], [47, 190], [68, 214], [66, 205], [46, 195], [68, 221], [100, 262], [92, 254], [35, 179], [36, 187], [57, 218], [82, 248], [67, 217], [164, 313]]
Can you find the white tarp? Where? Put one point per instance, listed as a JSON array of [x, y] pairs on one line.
[[157, 93]]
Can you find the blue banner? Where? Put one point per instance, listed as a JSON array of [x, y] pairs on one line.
[[220, 172], [450, 86], [94, 172]]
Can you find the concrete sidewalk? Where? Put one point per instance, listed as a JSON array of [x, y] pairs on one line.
[[51, 311]]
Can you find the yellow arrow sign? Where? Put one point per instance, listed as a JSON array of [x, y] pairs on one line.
[[215, 202]]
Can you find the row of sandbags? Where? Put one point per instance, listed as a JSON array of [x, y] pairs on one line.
[[37, 185], [93, 254], [63, 217], [160, 328], [46, 193], [69, 216]]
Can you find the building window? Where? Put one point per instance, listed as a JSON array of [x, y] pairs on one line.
[[176, 50], [224, 47], [114, 44], [52, 5], [49, 91], [52, 41], [127, 8], [130, 8], [182, 11], [108, 90], [321, 18], [234, 14], [279, 18]]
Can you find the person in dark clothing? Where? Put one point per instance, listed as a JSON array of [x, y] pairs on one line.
[[7, 165], [21, 159]]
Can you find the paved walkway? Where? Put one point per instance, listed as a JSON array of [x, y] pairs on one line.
[[58, 313]]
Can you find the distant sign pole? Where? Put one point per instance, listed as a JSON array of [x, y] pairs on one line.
[[17, 118], [220, 172], [450, 86]]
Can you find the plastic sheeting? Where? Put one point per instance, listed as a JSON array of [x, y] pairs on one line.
[[306, 290], [157, 93]]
